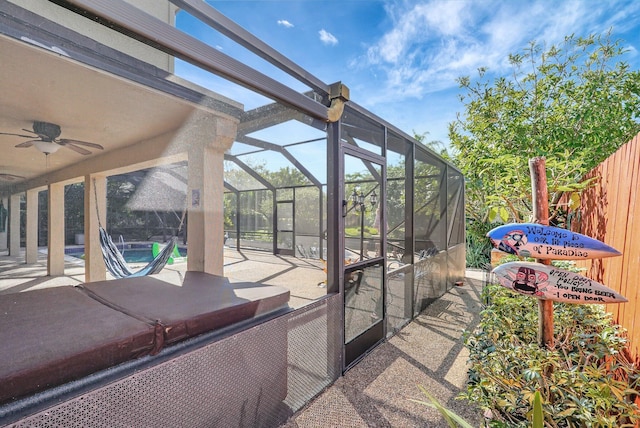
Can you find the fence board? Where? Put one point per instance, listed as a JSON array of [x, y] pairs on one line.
[[610, 210], [632, 252]]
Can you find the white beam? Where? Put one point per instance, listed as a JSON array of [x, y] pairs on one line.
[[14, 224], [4, 205], [205, 198], [95, 203], [55, 230], [31, 253]]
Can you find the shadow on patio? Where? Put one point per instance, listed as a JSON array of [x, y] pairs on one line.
[[428, 352]]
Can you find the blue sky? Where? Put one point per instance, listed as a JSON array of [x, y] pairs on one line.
[[400, 59]]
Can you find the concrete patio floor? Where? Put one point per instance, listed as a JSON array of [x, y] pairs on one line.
[[428, 351], [300, 276]]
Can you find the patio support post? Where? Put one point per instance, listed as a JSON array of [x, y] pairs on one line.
[[14, 225], [409, 238], [209, 138], [31, 251], [4, 205], [4, 210], [95, 202], [55, 230]]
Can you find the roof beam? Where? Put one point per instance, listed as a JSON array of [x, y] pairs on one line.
[[284, 152], [131, 21], [224, 25], [260, 179]]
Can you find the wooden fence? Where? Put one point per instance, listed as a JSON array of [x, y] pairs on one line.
[[610, 212]]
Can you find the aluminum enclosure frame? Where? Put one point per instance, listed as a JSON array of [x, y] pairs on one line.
[[129, 20], [326, 314]]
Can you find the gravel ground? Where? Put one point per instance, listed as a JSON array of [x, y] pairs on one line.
[[377, 392]]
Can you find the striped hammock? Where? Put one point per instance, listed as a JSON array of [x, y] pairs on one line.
[[118, 267]]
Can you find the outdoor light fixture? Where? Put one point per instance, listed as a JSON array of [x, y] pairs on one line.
[[355, 199], [46, 147], [358, 199]]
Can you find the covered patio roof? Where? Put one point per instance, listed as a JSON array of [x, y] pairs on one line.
[[41, 83]]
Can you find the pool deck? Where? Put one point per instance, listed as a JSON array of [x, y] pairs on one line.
[[300, 276]]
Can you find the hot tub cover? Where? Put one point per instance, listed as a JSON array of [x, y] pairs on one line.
[[56, 335], [202, 303]]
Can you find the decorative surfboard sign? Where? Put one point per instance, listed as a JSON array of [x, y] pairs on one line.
[[550, 283], [548, 242]]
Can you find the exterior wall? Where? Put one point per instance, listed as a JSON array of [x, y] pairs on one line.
[[607, 213], [162, 10]]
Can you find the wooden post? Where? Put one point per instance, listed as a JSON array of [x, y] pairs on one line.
[[540, 198]]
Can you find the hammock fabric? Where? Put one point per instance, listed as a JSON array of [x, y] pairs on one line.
[[118, 266]]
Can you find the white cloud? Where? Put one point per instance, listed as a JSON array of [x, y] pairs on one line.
[[632, 52], [327, 38], [433, 42], [285, 23]]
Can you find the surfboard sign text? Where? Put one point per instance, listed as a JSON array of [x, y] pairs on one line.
[[548, 242], [550, 283]]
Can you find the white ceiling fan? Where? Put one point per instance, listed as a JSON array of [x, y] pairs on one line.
[[48, 141], [10, 177]]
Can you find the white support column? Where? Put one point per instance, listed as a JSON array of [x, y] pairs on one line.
[[95, 202], [4, 224], [205, 206], [55, 254], [205, 198], [31, 252], [14, 225]]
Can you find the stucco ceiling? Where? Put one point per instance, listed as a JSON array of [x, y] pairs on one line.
[[88, 104]]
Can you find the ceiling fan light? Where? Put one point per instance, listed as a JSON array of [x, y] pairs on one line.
[[46, 147]]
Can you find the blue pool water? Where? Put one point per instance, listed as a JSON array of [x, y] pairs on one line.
[[131, 255]]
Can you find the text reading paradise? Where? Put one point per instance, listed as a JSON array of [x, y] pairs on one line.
[[556, 242]]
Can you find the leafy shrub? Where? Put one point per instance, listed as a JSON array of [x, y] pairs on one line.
[[478, 252], [587, 380], [478, 245]]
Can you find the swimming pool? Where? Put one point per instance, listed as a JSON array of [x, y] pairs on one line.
[[133, 254]]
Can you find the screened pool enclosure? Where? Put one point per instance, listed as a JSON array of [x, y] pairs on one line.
[[398, 201], [327, 228]]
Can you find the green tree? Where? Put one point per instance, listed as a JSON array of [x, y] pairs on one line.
[[574, 103], [436, 145]]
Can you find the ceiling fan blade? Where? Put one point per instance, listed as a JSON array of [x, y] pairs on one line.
[[76, 149], [27, 144], [17, 135], [10, 177], [65, 141]]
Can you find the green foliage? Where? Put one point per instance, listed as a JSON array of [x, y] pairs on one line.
[[498, 212], [436, 145], [478, 252], [452, 419], [478, 245], [538, 415], [568, 265], [574, 103], [354, 232], [586, 380]]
